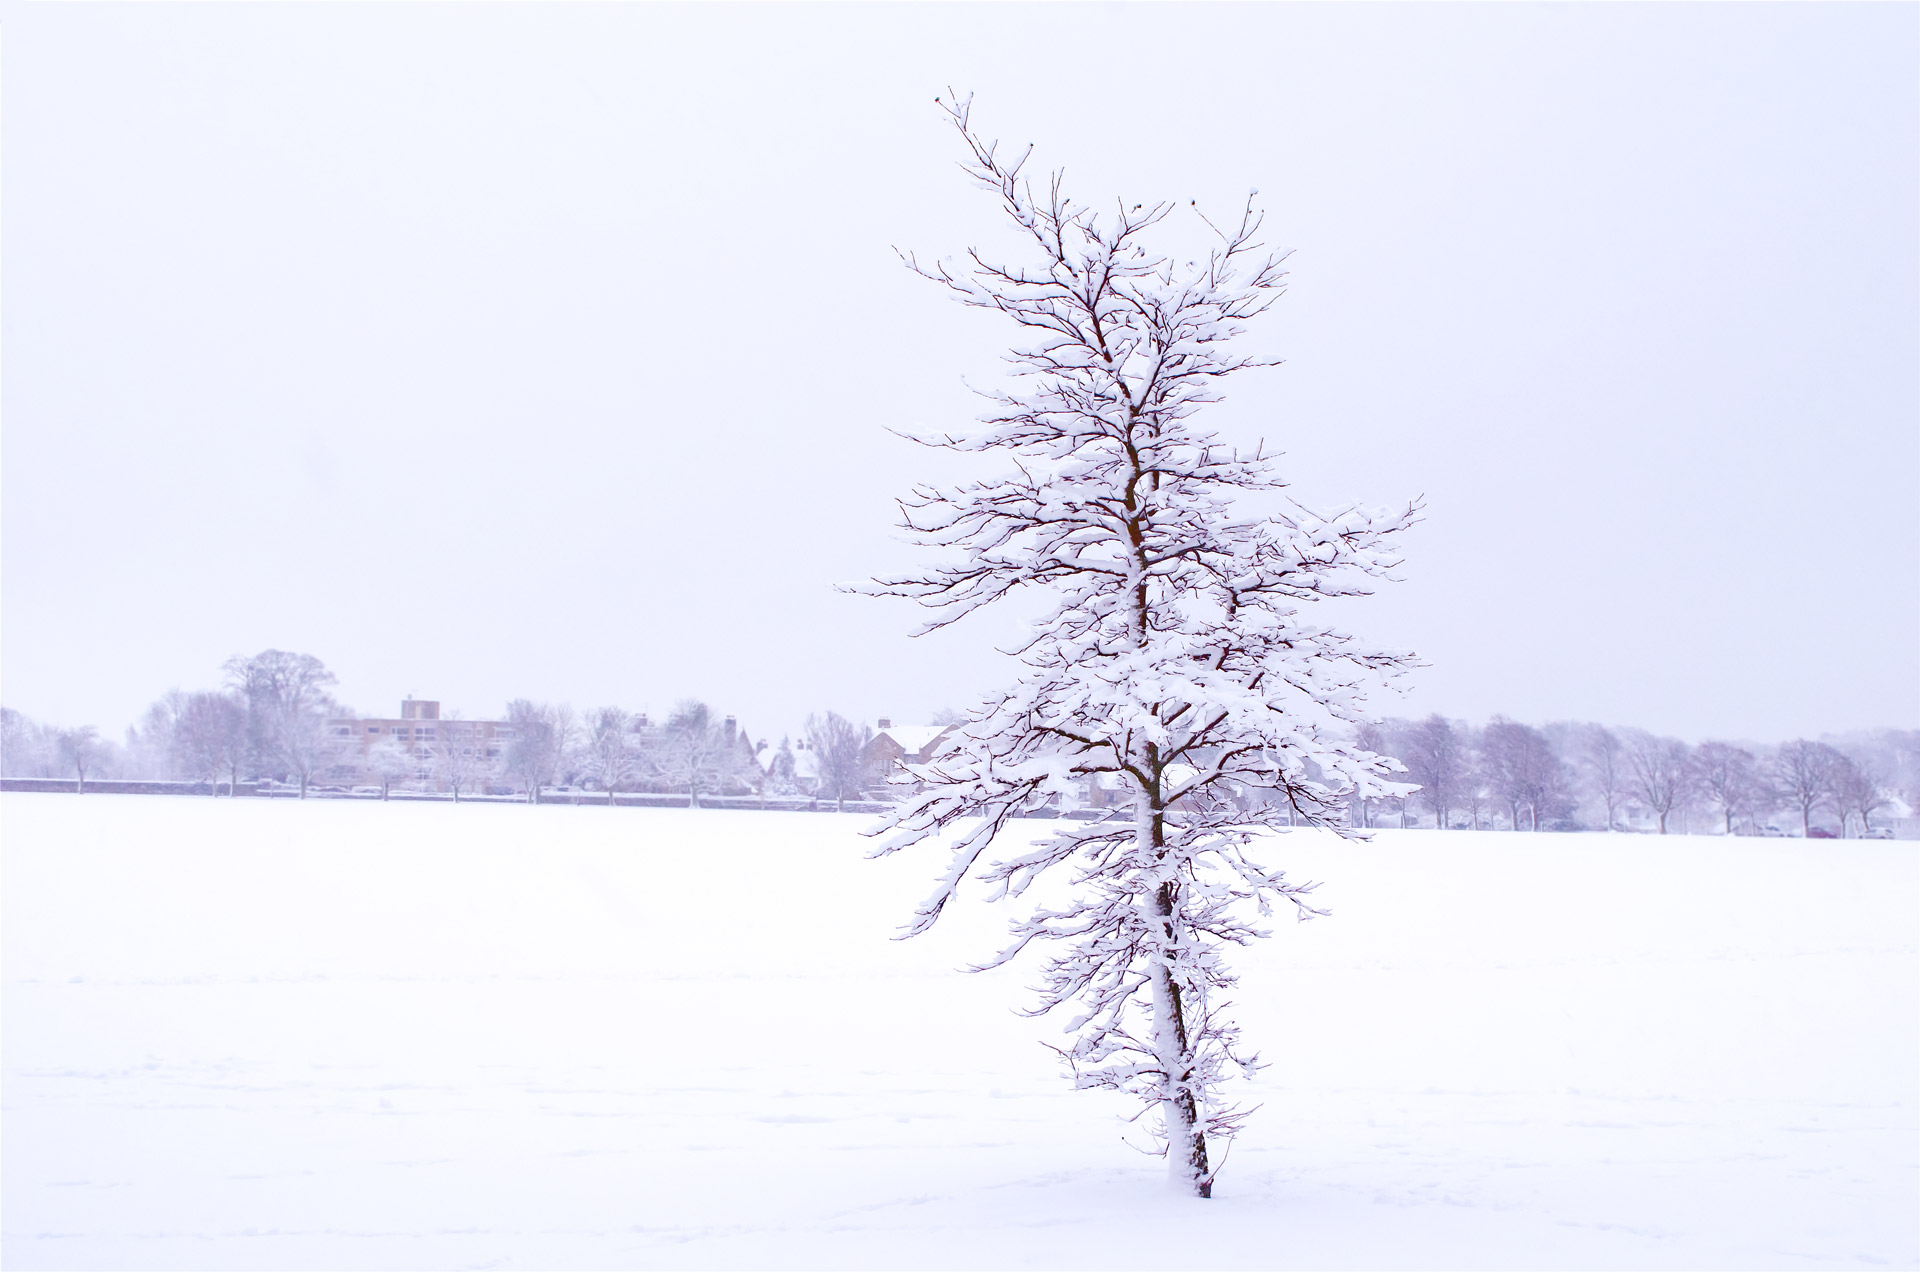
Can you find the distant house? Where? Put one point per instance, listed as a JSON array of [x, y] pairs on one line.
[[1106, 790], [896, 744]]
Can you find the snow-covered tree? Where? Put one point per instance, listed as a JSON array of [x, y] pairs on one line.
[[391, 762], [610, 756], [840, 757], [782, 778], [287, 708], [1362, 807], [535, 747], [1174, 655], [461, 760], [698, 754]]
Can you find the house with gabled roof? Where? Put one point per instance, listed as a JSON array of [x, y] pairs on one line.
[[897, 744]]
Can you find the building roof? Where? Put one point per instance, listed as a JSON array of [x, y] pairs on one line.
[[912, 738]]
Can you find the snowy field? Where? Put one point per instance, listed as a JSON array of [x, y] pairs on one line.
[[351, 1035]]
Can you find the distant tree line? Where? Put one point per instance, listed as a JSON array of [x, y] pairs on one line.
[[1511, 776], [275, 719]]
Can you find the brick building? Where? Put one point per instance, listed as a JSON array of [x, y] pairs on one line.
[[420, 729]]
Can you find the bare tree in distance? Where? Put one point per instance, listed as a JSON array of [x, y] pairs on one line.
[[840, 751], [566, 742], [1436, 758], [1522, 769], [208, 731], [177, 738], [151, 749], [1857, 790], [1174, 657], [1473, 789], [1502, 763], [1659, 771], [25, 747], [1804, 773], [1603, 758], [1729, 777], [80, 751]]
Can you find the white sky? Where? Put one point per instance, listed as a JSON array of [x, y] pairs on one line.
[[494, 351]]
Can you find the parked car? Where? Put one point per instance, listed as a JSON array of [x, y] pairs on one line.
[[1820, 832], [1878, 832], [1772, 832]]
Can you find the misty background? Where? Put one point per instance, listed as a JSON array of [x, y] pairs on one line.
[[500, 351]]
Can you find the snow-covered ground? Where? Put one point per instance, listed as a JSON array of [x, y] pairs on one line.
[[274, 1035]]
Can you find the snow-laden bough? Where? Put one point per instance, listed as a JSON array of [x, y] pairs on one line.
[[1176, 671]]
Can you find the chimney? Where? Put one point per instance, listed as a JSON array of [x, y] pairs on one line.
[[885, 724]]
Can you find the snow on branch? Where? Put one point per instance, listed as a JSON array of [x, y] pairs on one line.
[[1175, 681]]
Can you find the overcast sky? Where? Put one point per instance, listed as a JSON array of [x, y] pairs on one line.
[[493, 352]]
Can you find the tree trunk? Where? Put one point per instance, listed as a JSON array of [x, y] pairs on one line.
[[1186, 1141]]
